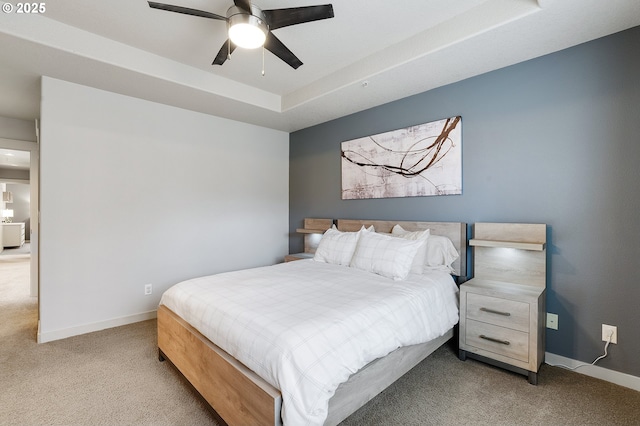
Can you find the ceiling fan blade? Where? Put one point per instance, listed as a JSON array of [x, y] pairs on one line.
[[224, 52], [185, 10], [278, 18], [243, 4], [275, 46]]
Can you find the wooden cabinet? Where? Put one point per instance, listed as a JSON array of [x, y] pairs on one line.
[[502, 309], [12, 234]]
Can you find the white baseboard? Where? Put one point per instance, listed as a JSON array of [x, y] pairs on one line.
[[96, 326], [612, 376]]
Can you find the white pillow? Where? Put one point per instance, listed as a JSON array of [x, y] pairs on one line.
[[417, 267], [385, 255], [440, 250], [336, 246]]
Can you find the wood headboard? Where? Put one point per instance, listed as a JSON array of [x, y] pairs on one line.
[[455, 231]]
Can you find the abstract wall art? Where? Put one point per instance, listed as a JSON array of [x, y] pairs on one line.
[[416, 161]]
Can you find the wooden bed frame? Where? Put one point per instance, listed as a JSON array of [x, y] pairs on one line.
[[241, 397]]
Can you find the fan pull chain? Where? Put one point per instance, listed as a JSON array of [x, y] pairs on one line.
[[229, 49], [263, 60]]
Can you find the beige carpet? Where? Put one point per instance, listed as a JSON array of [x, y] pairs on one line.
[[113, 377], [443, 390]]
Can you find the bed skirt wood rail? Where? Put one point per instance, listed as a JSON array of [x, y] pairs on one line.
[[236, 393], [241, 397]]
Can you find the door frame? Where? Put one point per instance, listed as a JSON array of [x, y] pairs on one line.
[[34, 185]]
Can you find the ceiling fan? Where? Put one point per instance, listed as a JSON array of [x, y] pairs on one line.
[[250, 27]]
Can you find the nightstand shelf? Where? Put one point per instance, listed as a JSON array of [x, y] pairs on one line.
[[507, 244], [298, 256], [502, 309], [312, 231]]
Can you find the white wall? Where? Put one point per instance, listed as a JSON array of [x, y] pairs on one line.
[[13, 128], [134, 192]]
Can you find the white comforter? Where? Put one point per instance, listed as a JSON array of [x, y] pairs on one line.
[[306, 326]]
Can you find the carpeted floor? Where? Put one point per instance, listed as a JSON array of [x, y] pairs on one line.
[[443, 390], [113, 377]]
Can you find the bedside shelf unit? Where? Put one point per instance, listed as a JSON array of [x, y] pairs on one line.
[[312, 230], [502, 309]]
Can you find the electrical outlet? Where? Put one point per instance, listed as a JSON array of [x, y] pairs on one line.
[[552, 321], [148, 289], [607, 330]]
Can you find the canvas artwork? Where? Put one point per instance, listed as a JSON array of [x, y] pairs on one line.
[[417, 161]]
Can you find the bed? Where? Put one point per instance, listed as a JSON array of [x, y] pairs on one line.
[[239, 395]]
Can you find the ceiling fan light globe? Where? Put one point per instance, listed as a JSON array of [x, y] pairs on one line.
[[247, 30], [246, 36]]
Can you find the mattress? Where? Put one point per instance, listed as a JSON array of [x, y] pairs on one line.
[[306, 326]]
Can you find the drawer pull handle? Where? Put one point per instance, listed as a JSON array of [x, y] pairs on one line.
[[491, 311], [491, 339]]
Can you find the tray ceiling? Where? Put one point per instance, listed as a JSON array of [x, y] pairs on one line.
[[371, 53]]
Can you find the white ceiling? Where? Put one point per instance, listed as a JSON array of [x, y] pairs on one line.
[[372, 52]]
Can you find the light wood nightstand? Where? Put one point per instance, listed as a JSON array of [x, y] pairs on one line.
[[502, 309]]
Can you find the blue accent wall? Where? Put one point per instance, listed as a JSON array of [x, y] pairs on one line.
[[553, 140]]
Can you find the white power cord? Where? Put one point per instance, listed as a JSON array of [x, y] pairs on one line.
[[606, 346]]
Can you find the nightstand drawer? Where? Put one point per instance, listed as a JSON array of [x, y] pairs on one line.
[[499, 340], [498, 311]]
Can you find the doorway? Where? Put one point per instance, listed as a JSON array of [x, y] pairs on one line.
[[19, 181]]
